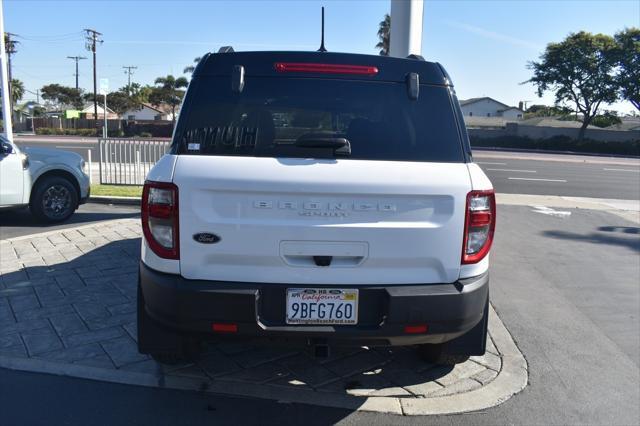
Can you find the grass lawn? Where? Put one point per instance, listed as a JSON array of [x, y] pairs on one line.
[[116, 190]]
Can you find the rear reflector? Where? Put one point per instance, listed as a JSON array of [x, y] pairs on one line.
[[325, 68], [224, 328], [416, 329]]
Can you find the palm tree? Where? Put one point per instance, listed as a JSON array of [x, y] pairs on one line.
[[17, 90], [191, 68], [384, 34], [167, 91]]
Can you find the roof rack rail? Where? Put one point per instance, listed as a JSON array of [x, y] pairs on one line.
[[226, 49], [414, 56]]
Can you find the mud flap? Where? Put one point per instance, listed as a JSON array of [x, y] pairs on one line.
[[474, 342], [152, 337]]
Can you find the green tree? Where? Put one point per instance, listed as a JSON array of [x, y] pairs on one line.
[[139, 94], [189, 69], [17, 90], [63, 96], [168, 91], [606, 119], [628, 61], [128, 98], [547, 111], [579, 70], [384, 35], [120, 102]]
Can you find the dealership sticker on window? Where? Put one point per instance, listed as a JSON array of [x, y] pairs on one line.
[[194, 147]]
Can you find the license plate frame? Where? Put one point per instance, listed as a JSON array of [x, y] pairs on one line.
[[317, 308]]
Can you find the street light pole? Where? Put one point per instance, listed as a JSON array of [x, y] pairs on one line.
[[406, 28], [31, 110]]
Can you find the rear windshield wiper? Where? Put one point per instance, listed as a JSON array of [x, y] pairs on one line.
[[323, 140]]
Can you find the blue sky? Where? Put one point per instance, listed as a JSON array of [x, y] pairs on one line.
[[485, 45]]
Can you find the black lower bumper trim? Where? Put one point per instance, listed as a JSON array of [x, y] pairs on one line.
[[258, 309]]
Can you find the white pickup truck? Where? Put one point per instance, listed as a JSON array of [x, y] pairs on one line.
[[51, 182], [317, 197]]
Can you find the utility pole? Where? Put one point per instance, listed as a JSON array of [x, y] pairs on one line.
[[92, 39], [10, 49], [4, 87], [76, 58], [129, 70]]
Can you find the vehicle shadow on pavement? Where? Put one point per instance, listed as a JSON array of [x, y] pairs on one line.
[[23, 218], [623, 237], [70, 298], [625, 229]]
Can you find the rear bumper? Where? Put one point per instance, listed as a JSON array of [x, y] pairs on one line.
[[258, 309]]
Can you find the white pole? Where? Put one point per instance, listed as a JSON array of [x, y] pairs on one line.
[[4, 84], [90, 168], [104, 131], [406, 28], [138, 174]]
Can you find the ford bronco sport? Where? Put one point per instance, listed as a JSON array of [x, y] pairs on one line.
[[322, 197]]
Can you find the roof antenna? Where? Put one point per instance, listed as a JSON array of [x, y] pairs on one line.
[[322, 49]]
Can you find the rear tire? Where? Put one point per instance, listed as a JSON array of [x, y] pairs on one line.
[[437, 354], [54, 199], [161, 344], [458, 350]]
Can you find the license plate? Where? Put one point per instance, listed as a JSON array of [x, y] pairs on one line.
[[322, 306]]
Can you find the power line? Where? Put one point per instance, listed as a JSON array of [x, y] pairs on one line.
[[78, 35], [92, 37], [76, 58], [37, 93]]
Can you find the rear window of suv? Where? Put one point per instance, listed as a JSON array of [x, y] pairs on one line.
[[271, 115]]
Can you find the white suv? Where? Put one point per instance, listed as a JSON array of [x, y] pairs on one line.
[[51, 182], [321, 197]]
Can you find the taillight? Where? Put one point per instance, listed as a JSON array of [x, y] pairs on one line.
[[325, 68], [479, 225], [160, 218]]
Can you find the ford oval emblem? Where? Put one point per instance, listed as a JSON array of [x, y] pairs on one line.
[[206, 238]]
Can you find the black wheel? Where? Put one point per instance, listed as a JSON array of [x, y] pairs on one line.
[[54, 199], [161, 344]]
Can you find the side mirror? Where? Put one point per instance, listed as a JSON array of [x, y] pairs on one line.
[[6, 149]]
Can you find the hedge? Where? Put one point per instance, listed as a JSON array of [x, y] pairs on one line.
[[75, 132], [559, 143]]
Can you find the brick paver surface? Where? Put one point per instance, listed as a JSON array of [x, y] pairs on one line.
[[69, 297]]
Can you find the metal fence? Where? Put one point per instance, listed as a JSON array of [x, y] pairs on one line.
[[127, 161]]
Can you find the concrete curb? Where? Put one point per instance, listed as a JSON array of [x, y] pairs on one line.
[[511, 379], [106, 199]]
